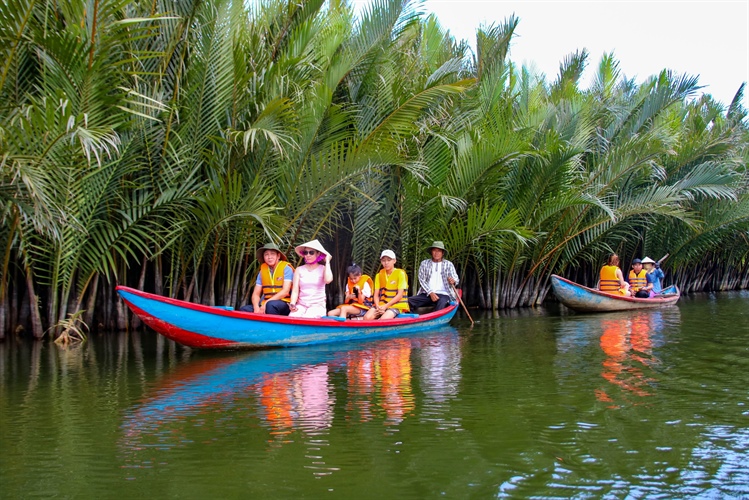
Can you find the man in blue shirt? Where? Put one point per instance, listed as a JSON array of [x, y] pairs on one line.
[[654, 275]]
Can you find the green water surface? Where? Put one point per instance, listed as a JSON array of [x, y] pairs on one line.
[[535, 403]]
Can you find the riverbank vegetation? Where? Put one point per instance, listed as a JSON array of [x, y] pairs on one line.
[[157, 144]]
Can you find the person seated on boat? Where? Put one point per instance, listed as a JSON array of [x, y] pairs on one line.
[[638, 281], [391, 286], [358, 299], [654, 276], [308, 286], [273, 284], [437, 280], [611, 278]]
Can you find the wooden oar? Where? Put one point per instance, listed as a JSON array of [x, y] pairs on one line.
[[462, 304]]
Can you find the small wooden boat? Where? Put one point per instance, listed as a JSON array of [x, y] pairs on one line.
[[583, 299], [206, 327]]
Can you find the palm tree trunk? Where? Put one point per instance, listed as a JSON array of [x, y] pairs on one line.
[[63, 309], [158, 279], [136, 323], [122, 319], [4, 275], [36, 320], [3, 308], [122, 314], [88, 316]]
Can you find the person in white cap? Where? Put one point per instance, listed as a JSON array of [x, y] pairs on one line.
[[654, 276], [391, 286], [437, 278], [308, 287]]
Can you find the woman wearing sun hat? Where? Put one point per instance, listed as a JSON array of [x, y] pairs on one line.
[[308, 286], [654, 276]]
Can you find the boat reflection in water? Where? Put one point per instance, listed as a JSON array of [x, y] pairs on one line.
[[627, 340], [295, 389], [629, 344]]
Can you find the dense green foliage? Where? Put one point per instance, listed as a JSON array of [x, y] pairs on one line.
[[157, 144]]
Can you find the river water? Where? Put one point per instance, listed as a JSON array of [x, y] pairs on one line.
[[543, 403]]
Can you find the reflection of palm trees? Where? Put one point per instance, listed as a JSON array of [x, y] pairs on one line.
[[628, 348]]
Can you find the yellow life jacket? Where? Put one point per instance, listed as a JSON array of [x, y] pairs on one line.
[[389, 288], [637, 281], [273, 282], [360, 301], [609, 281]]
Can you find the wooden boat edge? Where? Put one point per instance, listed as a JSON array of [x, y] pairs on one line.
[[257, 322], [610, 302]]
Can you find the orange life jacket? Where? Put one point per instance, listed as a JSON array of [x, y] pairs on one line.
[[273, 282], [360, 301], [609, 281], [389, 288], [638, 281]]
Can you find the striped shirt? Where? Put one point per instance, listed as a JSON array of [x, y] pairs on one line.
[[446, 270]]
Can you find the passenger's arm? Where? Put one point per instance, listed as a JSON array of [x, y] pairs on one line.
[[256, 294], [294, 292], [328, 270]]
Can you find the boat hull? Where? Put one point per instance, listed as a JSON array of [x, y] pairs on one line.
[[583, 299], [206, 327]]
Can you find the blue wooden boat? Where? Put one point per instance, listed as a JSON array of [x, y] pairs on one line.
[[206, 327], [583, 299]]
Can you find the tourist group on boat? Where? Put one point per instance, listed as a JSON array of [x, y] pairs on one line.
[[283, 290], [643, 281]]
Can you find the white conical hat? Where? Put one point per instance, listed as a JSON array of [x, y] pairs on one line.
[[648, 260], [314, 245]]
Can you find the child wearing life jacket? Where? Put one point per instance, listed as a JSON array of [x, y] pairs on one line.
[[358, 300], [390, 285]]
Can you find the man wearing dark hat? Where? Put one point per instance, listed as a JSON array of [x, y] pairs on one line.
[[638, 280], [437, 278], [273, 284]]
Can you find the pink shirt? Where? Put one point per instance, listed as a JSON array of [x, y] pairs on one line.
[[311, 286]]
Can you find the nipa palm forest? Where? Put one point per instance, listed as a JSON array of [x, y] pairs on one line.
[[158, 144]]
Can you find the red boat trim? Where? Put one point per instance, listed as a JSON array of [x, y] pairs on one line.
[[179, 335], [269, 318]]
